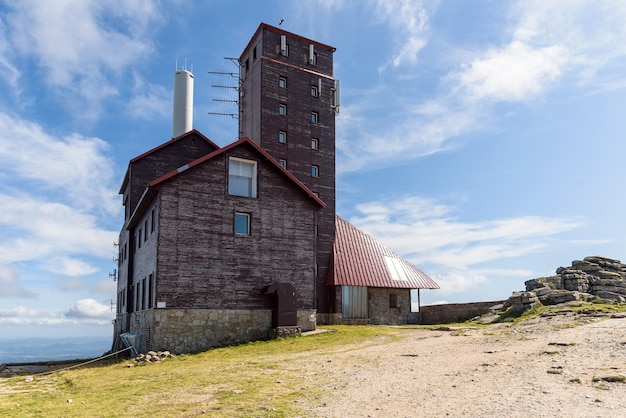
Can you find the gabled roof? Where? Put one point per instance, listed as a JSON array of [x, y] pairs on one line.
[[148, 195], [163, 145], [360, 260]]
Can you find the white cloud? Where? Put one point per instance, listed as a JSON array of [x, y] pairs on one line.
[[150, 101], [76, 166], [515, 73], [8, 72], [72, 284], [9, 286], [84, 312], [544, 46], [90, 309], [106, 286], [42, 229], [409, 18], [425, 231], [82, 44], [457, 281]]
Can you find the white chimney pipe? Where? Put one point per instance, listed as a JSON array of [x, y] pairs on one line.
[[183, 103]]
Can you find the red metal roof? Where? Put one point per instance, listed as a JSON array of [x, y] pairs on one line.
[[360, 260]]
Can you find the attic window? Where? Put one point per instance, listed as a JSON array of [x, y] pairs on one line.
[[241, 177], [396, 269]]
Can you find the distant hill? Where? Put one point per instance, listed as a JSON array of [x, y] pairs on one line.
[[31, 350]]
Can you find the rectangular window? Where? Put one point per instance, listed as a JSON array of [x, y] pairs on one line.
[[315, 143], [315, 117], [242, 223], [145, 230], [139, 239], [241, 177], [282, 162], [282, 82], [282, 137], [393, 300], [315, 171], [315, 91], [152, 222], [150, 291], [254, 53], [282, 109]]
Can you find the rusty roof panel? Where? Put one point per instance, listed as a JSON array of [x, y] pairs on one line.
[[361, 260]]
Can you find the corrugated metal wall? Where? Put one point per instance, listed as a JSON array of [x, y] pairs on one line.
[[354, 302]]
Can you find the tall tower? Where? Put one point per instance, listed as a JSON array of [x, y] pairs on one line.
[[287, 105]]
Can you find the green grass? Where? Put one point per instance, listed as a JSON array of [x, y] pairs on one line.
[[263, 378]]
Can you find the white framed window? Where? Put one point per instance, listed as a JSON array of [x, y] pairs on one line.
[[242, 177], [282, 137], [315, 171], [282, 109], [282, 162], [315, 91], [242, 223], [315, 117], [282, 82], [315, 143]]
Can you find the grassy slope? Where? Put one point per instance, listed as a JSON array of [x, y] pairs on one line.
[[266, 378]]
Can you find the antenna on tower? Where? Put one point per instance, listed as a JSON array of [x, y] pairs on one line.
[[227, 86]]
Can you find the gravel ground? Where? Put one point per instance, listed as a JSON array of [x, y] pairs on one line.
[[545, 368]]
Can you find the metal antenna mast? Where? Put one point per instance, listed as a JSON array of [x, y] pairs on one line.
[[228, 87]]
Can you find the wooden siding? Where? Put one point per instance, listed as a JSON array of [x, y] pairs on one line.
[[203, 264]]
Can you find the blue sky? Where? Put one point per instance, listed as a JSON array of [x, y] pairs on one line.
[[482, 140]]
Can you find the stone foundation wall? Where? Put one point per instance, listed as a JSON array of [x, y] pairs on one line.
[[454, 312], [193, 330], [380, 311]]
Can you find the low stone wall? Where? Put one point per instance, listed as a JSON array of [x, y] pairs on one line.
[[193, 330], [454, 312]]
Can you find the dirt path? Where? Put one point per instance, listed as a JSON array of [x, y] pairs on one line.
[[542, 369]]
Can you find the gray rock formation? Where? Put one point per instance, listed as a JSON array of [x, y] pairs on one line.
[[593, 277]]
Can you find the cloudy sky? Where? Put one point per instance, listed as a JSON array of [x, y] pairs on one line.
[[482, 140]]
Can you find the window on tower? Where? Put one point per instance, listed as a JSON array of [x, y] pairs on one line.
[[282, 109], [315, 171], [315, 91], [315, 143], [282, 137], [282, 82], [282, 162], [315, 117]]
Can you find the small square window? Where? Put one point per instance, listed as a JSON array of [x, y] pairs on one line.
[[282, 82], [282, 109], [315, 91], [315, 117], [283, 163], [315, 171], [315, 143], [282, 137], [242, 223]]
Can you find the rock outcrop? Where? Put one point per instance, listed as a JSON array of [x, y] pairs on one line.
[[593, 277]]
